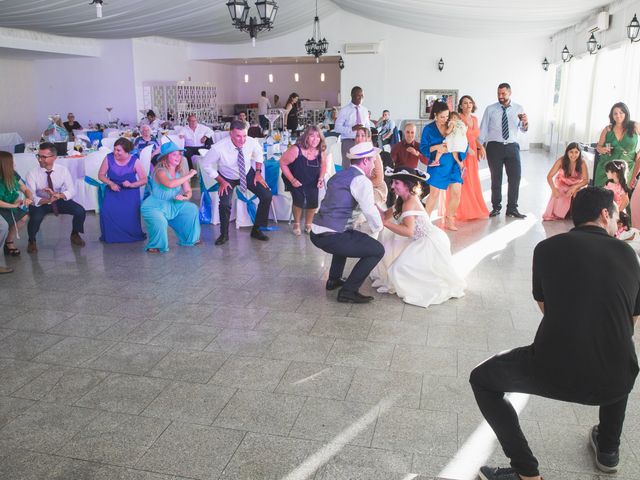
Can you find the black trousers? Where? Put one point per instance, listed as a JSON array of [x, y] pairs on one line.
[[263, 194], [65, 207], [350, 244], [512, 371], [264, 122], [507, 156]]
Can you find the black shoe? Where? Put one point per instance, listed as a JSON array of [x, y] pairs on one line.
[[515, 214], [495, 212], [345, 296], [332, 283], [490, 473], [222, 239], [606, 462], [258, 235]]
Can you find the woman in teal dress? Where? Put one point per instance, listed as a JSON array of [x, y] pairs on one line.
[[618, 141], [11, 206], [168, 204]]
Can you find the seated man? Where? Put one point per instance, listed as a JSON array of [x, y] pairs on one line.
[[332, 228], [53, 190], [385, 128], [587, 285], [195, 136]]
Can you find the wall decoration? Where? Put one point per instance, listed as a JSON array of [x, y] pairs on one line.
[[428, 97]]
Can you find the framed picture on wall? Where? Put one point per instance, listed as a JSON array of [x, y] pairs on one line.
[[429, 97]]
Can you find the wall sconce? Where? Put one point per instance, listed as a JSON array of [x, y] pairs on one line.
[[322, 77], [340, 62], [545, 64], [296, 77], [441, 65], [246, 78], [592, 45], [633, 30], [566, 55], [271, 78]]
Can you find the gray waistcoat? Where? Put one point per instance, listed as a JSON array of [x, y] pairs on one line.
[[337, 206]]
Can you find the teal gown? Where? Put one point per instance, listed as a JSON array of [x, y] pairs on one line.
[[161, 210]]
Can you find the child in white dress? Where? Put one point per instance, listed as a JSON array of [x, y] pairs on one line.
[[455, 139]]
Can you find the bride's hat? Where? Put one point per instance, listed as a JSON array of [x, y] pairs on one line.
[[362, 150], [401, 172]]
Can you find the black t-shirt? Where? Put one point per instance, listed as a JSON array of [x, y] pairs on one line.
[[72, 126], [590, 285]]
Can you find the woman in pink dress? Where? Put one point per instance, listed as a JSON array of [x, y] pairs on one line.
[[472, 205], [571, 175]]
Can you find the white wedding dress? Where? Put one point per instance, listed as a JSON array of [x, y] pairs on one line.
[[419, 269]]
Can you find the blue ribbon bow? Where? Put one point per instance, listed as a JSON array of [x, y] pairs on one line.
[[101, 188]]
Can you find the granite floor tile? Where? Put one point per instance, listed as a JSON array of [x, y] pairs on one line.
[[250, 373], [11, 407], [62, 385], [84, 325], [324, 305], [194, 367], [278, 321], [70, 469], [242, 342], [186, 337], [26, 465], [9, 313], [26, 345], [185, 313], [357, 353], [351, 328], [115, 438], [191, 403], [123, 393], [371, 386], [73, 351], [234, 317], [95, 304], [447, 394], [129, 358], [14, 374], [409, 333], [419, 359], [260, 412], [299, 347], [316, 380], [184, 449], [146, 330], [121, 329], [458, 336], [37, 320]]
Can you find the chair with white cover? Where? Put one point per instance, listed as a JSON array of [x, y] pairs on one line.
[[175, 139], [108, 142], [145, 158], [23, 163], [91, 168]]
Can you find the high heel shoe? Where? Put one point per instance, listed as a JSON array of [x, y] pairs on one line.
[[296, 229], [307, 228], [450, 224], [11, 251]]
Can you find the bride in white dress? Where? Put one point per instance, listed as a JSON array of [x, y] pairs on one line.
[[417, 264]]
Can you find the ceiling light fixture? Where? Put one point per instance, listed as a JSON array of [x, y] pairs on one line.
[[592, 45], [98, 4], [566, 55], [633, 30], [545, 64], [441, 65], [316, 46], [239, 11]]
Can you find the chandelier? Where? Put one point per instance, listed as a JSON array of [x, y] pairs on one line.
[[315, 46], [98, 4], [239, 11]]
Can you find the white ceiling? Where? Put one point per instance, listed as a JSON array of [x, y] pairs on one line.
[[209, 21]]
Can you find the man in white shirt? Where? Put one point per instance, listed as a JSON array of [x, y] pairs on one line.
[[195, 136], [332, 228], [263, 108], [351, 117], [53, 190], [236, 161]]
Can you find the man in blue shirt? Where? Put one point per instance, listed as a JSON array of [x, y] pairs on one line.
[[498, 130]]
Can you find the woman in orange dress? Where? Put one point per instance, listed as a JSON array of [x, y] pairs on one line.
[[472, 205]]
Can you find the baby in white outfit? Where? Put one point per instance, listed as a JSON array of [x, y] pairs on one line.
[[456, 139]]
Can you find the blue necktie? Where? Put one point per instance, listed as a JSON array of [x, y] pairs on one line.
[[505, 124]]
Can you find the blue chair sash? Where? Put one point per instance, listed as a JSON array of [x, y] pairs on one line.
[[205, 214], [101, 188]]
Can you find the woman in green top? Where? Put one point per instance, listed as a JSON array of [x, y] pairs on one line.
[[10, 203], [618, 141]]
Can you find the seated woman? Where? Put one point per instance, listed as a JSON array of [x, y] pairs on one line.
[[303, 168], [145, 139], [55, 131], [380, 190], [120, 213], [417, 264], [10, 204], [168, 204], [570, 176]]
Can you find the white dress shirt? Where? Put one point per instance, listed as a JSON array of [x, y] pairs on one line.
[[491, 125], [263, 105], [347, 118], [361, 189], [61, 179], [193, 138], [155, 125], [222, 158]]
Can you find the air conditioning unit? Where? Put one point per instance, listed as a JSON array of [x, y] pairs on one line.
[[361, 48], [599, 23]]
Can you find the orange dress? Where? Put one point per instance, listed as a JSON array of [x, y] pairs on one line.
[[472, 205]]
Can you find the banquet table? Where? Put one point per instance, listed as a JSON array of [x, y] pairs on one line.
[[85, 194]]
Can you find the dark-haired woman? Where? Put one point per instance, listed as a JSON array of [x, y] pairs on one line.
[[291, 112], [417, 264], [567, 175], [618, 141], [10, 203], [120, 211]]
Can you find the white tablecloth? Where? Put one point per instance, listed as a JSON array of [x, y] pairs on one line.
[[8, 141], [85, 194]]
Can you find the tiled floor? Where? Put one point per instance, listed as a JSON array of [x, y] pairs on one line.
[[233, 362]]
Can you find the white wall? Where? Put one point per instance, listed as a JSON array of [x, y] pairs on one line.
[[284, 84], [17, 99], [408, 61]]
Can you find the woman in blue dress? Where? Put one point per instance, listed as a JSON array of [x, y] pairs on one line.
[[168, 204], [446, 176], [120, 211]]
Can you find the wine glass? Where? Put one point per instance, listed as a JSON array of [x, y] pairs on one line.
[[272, 117], [109, 110]]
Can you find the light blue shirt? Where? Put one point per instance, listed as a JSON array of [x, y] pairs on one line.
[[491, 125]]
